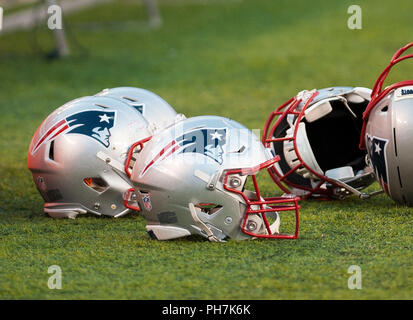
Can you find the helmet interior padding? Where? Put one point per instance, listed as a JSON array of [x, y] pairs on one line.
[[334, 138], [295, 178]]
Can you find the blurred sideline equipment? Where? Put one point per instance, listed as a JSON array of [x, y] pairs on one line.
[[316, 134], [155, 19], [388, 133], [62, 47], [30, 18], [193, 178]]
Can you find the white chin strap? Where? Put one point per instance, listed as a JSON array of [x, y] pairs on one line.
[[210, 235], [275, 226], [63, 210]]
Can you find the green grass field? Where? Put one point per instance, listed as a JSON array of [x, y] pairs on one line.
[[237, 59]]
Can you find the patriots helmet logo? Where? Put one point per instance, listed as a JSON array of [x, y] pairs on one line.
[[206, 141], [93, 123], [138, 107], [376, 148]]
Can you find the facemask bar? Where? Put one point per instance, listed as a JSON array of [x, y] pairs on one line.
[[378, 94], [130, 195], [335, 188], [130, 200], [131, 151], [266, 205], [289, 108]]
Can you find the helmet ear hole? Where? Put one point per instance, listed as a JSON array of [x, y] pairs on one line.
[[97, 184], [208, 208], [385, 109], [51, 150]]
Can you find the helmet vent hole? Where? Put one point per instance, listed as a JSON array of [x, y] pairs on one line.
[[400, 178], [240, 150], [208, 208], [395, 142], [51, 151], [97, 184], [101, 106], [129, 99], [385, 109]]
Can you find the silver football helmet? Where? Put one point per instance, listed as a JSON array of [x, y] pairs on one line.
[[154, 109], [316, 134], [192, 178], [388, 133], [77, 157]]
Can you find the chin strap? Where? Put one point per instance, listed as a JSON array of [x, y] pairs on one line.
[[275, 226], [345, 102], [361, 195], [201, 225]]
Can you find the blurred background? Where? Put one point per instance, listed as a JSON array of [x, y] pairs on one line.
[[236, 58]]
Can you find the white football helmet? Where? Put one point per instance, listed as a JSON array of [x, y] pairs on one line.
[[388, 133], [77, 157], [316, 134], [192, 178], [154, 109]]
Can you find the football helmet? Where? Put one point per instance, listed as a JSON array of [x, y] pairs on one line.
[[78, 153], [154, 109], [316, 134], [388, 133], [192, 178]]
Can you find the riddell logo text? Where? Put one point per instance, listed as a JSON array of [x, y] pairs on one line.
[[407, 91]]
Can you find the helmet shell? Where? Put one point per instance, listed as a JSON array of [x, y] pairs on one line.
[[316, 135], [77, 155], [185, 164], [153, 108], [389, 132]]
